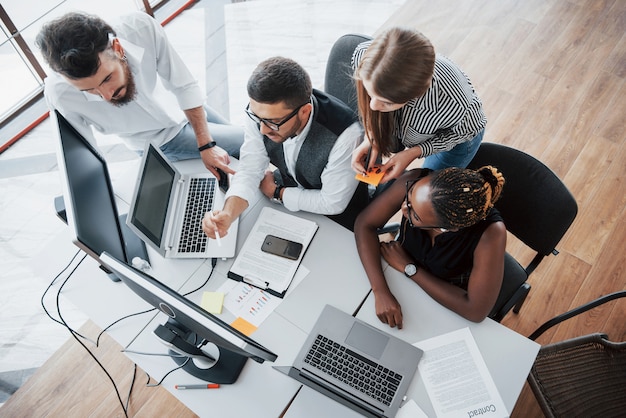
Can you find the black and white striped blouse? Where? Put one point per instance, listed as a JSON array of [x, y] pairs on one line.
[[448, 114]]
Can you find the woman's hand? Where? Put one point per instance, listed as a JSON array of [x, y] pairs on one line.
[[395, 255], [388, 309], [359, 155], [395, 166]]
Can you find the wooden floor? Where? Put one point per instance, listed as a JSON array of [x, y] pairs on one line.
[[71, 384], [551, 74]]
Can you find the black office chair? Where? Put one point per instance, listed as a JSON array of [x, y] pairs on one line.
[[582, 376], [537, 208], [338, 79], [338, 82]]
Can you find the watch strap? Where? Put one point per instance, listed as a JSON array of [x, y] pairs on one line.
[[277, 192], [207, 146]]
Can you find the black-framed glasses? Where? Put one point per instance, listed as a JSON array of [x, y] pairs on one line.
[[409, 208], [274, 126]]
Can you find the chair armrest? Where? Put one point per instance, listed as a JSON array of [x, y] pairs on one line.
[[576, 311]]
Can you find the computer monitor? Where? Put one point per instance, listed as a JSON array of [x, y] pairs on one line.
[[88, 199], [190, 328]]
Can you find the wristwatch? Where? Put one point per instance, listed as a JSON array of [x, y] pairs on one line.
[[276, 198], [207, 146], [410, 270]]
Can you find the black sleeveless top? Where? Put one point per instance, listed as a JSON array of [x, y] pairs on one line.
[[452, 256]]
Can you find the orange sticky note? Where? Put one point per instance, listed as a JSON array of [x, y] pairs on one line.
[[373, 176], [243, 326]]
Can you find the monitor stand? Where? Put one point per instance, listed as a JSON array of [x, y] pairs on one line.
[[222, 366]]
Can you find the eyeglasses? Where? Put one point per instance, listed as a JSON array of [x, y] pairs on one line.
[[411, 213], [274, 126]]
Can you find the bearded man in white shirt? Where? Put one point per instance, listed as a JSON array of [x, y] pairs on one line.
[[129, 81]]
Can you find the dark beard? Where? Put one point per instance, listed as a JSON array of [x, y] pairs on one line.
[[131, 88]]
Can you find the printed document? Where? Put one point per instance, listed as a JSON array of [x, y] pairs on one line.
[[457, 379]]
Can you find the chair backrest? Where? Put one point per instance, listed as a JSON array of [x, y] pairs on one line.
[[338, 79], [581, 376], [536, 206]]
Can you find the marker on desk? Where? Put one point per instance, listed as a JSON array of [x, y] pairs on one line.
[[207, 386]]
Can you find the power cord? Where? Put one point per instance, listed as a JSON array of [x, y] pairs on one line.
[[43, 296], [76, 334], [213, 264]]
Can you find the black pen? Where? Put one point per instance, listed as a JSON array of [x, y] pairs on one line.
[[367, 160]]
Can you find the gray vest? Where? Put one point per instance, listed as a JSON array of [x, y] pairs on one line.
[[331, 118]]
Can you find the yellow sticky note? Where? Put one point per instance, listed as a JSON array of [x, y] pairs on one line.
[[373, 176], [243, 326], [212, 302]]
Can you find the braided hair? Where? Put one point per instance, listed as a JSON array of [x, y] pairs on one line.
[[463, 197]]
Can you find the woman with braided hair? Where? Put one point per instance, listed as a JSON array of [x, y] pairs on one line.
[[451, 242]]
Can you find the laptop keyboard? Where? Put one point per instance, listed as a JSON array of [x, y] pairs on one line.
[[361, 373], [199, 202]]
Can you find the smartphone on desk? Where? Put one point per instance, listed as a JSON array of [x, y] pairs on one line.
[[281, 247]]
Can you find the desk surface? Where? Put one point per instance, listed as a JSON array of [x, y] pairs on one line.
[[266, 391], [508, 355], [336, 277]]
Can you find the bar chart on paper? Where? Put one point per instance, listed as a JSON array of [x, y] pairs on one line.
[[248, 303]]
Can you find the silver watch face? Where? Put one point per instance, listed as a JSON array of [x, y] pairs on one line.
[[410, 269]]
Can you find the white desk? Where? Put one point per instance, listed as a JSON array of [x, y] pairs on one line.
[[336, 277], [260, 390], [508, 355]]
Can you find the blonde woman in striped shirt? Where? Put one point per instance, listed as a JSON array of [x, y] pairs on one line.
[[413, 104]]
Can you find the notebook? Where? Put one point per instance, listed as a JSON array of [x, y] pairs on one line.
[[167, 208], [356, 364]]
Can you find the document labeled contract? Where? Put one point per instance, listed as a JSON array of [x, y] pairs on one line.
[[457, 379], [272, 252]]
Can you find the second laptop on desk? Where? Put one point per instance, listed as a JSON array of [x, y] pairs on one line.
[[167, 208], [356, 364]]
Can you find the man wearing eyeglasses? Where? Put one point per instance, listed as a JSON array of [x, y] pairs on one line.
[[308, 136], [127, 79]]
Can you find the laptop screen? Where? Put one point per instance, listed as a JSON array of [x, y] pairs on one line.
[[153, 195]]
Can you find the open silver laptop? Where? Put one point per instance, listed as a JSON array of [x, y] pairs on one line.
[[167, 208], [355, 364]]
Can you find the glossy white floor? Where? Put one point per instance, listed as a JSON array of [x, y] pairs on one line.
[[300, 29]]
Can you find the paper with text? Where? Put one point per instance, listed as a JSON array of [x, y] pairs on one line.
[[266, 270], [457, 379]]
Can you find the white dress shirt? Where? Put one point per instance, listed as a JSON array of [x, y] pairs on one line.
[[156, 113], [338, 182]]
